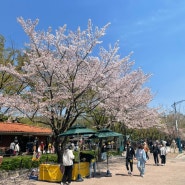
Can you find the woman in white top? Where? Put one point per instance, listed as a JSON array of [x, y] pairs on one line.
[[68, 157], [163, 153]]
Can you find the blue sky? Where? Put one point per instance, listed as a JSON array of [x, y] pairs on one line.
[[153, 29]]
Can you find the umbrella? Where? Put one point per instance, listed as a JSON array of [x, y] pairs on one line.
[[105, 133], [78, 130]]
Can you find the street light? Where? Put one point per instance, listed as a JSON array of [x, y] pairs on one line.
[[176, 125]]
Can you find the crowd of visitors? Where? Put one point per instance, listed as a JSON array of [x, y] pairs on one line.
[[14, 148], [139, 154], [158, 149], [36, 146]]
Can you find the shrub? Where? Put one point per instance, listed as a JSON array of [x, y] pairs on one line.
[[19, 162]]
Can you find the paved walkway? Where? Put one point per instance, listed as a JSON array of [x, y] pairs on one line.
[[170, 174]]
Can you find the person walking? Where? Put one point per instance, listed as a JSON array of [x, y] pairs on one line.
[[68, 157], [141, 159], [146, 148], [163, 153], [130, 155], [156, 152]]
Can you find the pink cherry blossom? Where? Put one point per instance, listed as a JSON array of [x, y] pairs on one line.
[[65, 77]]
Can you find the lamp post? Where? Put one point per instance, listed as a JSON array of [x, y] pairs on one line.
[[176, 125]]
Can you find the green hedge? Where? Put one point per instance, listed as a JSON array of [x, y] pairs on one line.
[[19, 162], [25, 162]]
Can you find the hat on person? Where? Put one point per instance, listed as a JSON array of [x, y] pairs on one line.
[[67, 146]]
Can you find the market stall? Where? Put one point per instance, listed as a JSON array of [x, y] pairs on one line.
[[52, 172]]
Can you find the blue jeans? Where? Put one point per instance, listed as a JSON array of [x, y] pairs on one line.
[[141, 167], [92, 168]]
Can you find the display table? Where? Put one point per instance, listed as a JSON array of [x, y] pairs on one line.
[[52, 172]]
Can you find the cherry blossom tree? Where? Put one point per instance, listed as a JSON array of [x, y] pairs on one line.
[[63, 79], [129, 105]]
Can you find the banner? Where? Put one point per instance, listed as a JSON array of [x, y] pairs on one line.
[[80, 168], [52, 173], [49, 172]]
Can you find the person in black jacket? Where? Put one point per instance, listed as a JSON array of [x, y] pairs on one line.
[[130, 155], [156, 152]]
